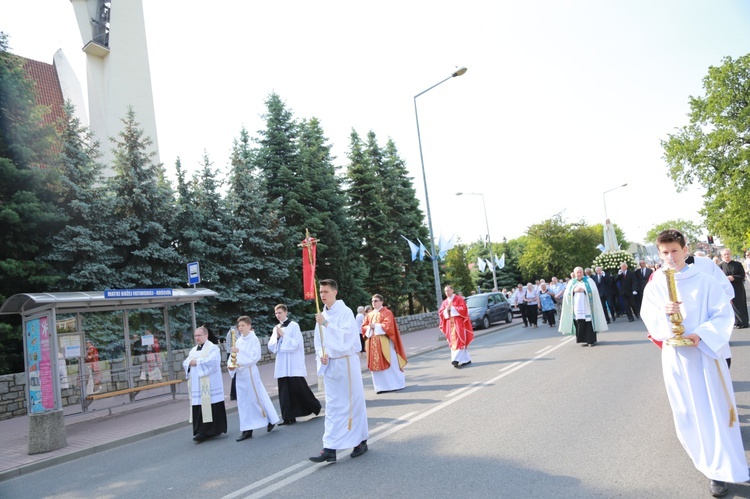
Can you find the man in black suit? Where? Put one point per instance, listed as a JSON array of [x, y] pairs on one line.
[[644, 274], [605, 285], [629, 284]]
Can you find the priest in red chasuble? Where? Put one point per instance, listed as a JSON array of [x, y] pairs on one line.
[[386, 357], [455, 324]]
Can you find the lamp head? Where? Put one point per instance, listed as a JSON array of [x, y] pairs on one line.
[[459, 72]]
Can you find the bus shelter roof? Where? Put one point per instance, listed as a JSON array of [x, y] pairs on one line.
[[95, 301]]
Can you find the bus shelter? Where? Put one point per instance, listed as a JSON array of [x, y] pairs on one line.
[[84, 350]]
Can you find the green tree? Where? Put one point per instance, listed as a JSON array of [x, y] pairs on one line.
[[556, 247], [142, 215], [457, 272], [82, 251], [257, 248], [417, 283], [370, 214], [322, 194], [29, 214], [712, 150], [692, 232]]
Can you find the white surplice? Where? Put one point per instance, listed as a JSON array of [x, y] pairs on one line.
[[345, 393], [252, 397], [392, 378], [290, 352], [208, 364], [697, 379]]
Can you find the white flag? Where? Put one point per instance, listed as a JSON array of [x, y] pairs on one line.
[[481, 264], [501, 262]]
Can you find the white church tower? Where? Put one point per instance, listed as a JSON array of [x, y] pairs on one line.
[[118, 75]]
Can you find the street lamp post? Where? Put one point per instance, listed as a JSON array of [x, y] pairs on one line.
[[486, 221], [605, 199], [435, 270]]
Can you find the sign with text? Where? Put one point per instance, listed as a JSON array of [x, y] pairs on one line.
[[137, 293], [194, 273]]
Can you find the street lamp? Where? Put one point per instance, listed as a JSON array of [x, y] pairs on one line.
[[435, 270], [605, 199], [486, 221]]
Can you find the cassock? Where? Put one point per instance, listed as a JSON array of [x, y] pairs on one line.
[[456, 326], [739, 304], [295, 397], [582, 313], [346, 413], [386, 357], [254, 406], [209, 416], [697, 379]]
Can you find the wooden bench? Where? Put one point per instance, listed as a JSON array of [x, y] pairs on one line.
[[133, 391]]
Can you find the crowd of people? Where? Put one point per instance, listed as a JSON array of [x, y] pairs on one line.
[[712, 301]]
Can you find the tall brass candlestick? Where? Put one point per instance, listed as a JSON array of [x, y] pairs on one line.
[[233, 357], [676, 319]]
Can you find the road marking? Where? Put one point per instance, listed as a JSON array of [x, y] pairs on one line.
[[392, 422], [543, 349], [509, 366], [383, 431], [459, 390]]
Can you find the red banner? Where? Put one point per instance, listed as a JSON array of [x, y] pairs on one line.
[[308, 267]]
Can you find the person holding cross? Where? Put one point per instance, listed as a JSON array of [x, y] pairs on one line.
[[337, 350]]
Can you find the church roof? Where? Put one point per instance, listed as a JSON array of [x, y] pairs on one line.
[[48, 91]]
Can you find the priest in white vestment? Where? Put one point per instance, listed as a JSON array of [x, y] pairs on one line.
[[337, 350], [386, 357], [295, 397], [206, 386], [254, 406], [697, 379]]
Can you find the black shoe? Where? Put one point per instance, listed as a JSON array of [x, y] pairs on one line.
[[200, 437], [614, 319], [270, 426], [360, 449], [328, 455], [717, 488], [245, 435], [467, 363], [454, 363], [287, 422], [631, 320], [584, 344]]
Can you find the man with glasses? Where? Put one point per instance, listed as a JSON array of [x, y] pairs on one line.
[[206, 386], [386, 357]]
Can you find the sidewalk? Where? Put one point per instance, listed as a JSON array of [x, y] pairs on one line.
[[97, 431]]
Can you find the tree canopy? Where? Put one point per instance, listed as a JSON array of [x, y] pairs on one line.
[[713, 150]]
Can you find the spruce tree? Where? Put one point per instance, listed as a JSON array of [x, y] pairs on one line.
[[258, 245], [29, 214], [370, 214], [405, 215], [142, 214], [82, 251], [321, 193]]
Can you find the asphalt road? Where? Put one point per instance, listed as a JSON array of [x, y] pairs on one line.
[[534, 415]]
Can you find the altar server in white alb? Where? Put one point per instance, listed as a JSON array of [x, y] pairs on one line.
[[346, 413], [253, 403], [295, 397], [699, 386], [206, 386]]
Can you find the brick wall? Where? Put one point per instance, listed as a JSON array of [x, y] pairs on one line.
[[12, 386]]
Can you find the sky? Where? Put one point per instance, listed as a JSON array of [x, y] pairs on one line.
[[562, 100]]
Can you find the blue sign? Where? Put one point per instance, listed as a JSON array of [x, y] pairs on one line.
[[137, 293], [194, 273]]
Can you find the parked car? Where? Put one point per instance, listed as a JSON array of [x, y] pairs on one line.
[[488, 308]]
